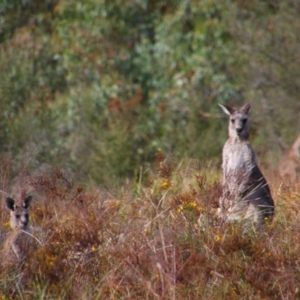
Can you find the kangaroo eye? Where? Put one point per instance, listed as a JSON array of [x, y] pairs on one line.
[[232, 120], [244, 120], [18, 216]]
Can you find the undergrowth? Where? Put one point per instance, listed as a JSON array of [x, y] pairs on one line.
[[157, 238]]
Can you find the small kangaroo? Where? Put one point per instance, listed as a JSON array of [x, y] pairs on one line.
[[290, 163], [17, 243], [246, 193]]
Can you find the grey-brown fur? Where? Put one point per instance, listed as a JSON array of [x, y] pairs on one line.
[[246, 193], [17, 243], [290, 163]]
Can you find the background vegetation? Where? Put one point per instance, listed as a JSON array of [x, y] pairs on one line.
[[109, 110], [98, 86]]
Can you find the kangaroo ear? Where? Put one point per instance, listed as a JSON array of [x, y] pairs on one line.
[[246, 107], [10, 203], [27, 201], [228, 110]]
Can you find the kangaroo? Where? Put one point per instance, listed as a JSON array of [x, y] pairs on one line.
[[246, 193], [17, 243], [290, 163]]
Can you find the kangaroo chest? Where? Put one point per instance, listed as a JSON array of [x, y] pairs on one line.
[[237, 159]]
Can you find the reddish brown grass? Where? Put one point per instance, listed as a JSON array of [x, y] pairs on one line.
[[160, 240]]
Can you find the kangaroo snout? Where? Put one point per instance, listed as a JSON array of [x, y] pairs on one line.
[[239, 125], [24, 221]]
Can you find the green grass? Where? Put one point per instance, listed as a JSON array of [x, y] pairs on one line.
[[157, 238]]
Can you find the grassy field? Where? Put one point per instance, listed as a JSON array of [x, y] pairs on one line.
[[156, 237]]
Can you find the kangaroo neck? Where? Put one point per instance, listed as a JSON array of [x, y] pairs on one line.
[[238, 139]]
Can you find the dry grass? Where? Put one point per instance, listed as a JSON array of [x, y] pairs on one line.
[[154, 240]]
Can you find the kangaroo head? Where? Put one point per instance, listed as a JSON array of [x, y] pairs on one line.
[[239, 125], [18, 214]]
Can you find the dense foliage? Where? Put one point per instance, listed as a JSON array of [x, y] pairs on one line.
[[98, 86]]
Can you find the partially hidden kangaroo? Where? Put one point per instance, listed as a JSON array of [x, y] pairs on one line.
[[290, 164], [17, 243], [246, 193]]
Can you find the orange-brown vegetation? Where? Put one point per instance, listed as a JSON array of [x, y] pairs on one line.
[[159, 240]]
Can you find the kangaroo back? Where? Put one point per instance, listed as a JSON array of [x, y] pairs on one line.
[[290, 163], [245, 190]]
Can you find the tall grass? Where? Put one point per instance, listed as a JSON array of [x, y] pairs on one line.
[[154, 238]]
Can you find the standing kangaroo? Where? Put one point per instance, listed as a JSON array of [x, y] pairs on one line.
[[246, 193], [17, 243]]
